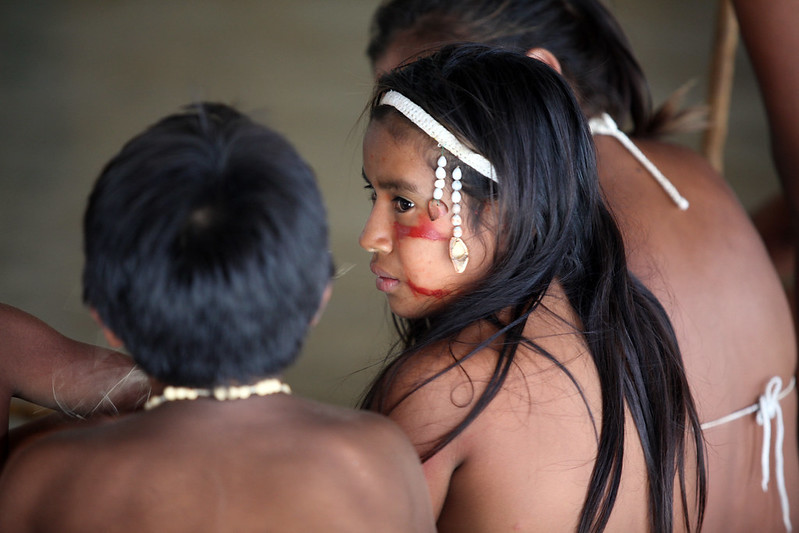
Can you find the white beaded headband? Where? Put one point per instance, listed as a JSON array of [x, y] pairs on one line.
[[439, 133]]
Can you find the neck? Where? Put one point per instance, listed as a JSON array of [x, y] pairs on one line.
[[264, 387]]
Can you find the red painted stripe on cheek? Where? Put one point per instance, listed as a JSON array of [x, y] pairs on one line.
[[421, 291], [423, 230]]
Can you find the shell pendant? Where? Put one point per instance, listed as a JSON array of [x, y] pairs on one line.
[[458, 253]]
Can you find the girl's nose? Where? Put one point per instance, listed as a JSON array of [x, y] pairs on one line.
[[376, 234]]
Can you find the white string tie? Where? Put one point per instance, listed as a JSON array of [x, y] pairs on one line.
[[605, 125], [767, 408], [769, 404]]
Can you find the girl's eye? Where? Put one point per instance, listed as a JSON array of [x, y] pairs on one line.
[[371, 191], [402, 204]]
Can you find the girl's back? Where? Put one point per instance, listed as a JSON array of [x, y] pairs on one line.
[[525, 462]]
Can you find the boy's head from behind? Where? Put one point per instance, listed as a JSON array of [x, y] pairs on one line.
[[206, 248]]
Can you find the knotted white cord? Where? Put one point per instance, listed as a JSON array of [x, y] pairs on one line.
[[767, 408], [605, 125], [769, 404]]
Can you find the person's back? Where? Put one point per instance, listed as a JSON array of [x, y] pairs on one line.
[[706, 264], [207, 257], [525, 462], [278, 463], [710, 270]]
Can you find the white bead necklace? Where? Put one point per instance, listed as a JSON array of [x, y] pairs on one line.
[[235, 392]]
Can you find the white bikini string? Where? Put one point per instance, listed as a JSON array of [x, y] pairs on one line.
[[767, 408], [605, 125]]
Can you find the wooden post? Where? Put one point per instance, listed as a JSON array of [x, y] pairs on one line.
[[721, 78]]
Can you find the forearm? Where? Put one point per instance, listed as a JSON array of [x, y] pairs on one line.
[[770, 31], [42, 366]]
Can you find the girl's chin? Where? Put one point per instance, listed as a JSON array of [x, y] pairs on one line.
[[402, 310]]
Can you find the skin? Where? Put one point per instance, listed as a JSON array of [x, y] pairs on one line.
[[411, 259], [710, 270], [40, 365], [769, 33], [294, 465]]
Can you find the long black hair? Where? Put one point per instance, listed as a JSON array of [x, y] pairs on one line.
[[552, 227], [587, 40]]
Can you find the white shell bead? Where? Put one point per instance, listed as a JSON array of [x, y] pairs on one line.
[[457, 232], [456, 185], [441, 173], [456, 208], [440, 184], [456, 196], [456, 220], [456, 174], [442, 161], [438, 194]]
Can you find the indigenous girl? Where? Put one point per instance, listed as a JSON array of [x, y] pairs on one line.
[[686, 236], [539, 380]]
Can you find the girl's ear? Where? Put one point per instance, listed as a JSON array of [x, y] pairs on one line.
[[110, 337], [542, 54]]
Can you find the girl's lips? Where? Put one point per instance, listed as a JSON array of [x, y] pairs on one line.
[[384, 282]]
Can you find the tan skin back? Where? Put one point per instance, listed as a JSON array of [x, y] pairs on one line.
[[278, 464], [710, 270]]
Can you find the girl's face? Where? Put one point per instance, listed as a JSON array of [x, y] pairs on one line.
[[411, 251]]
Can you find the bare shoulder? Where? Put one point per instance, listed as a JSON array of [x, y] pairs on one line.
[[438, 398], [686, 168], [360, 465], [38, 479], [439, 382], [350, 431], [301, 465], [440, 385]]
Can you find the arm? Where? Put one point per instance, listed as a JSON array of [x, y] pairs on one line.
[[770, 31], [424, 417], [40, 365], [431, 411]]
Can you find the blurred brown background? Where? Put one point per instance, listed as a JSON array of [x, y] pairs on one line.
[[78, 78]]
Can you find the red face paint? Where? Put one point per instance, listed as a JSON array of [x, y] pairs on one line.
[[421, 291], [423, 230]]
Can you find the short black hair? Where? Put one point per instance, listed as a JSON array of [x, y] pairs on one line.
[[206, 248]]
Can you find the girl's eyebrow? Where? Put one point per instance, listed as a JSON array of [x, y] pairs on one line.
[[393, 185]]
